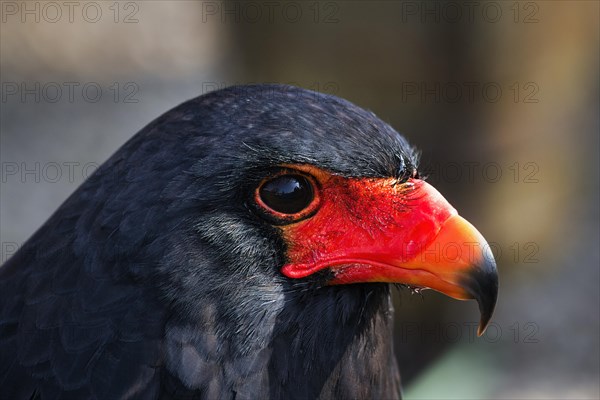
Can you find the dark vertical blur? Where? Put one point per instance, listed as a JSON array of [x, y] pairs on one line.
[[501, 97]]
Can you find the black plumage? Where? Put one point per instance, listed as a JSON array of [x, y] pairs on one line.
[[156, 279]]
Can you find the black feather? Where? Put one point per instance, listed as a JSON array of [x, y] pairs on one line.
[[156, 280]]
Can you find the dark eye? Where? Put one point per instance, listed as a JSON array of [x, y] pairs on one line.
[[287, 194]]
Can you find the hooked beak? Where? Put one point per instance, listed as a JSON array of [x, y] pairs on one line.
[[408, 234]]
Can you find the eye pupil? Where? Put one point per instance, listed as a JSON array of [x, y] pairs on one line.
[[287, 194]]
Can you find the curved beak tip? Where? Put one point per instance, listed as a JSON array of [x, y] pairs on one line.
[[483, 286], [478, 276]]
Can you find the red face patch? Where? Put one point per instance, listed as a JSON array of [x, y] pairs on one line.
[[378, 230], [364, 219]]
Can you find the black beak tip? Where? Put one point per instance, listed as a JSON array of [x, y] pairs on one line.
[[487, 302], [482, 284]]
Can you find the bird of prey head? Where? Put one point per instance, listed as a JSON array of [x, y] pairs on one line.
[[242, 245]]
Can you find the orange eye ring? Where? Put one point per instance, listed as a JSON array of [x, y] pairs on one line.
[[287, 197]]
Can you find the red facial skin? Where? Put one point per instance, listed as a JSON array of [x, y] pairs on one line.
[[380, 230]]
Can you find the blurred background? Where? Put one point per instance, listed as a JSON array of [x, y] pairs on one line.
[[501, 97]]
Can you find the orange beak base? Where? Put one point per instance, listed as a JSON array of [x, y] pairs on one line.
[[376, 230]]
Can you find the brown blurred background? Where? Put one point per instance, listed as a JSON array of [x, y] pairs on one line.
[[501, 97]]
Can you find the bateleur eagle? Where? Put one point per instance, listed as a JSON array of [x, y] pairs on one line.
[[242, 245]]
